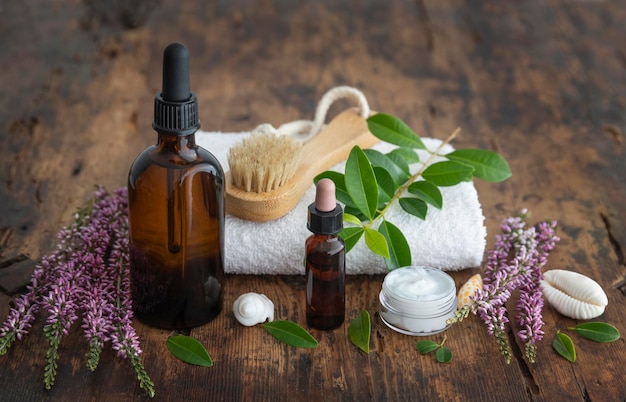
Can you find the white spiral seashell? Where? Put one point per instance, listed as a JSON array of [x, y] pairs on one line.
[[253, 308], [574, 295]]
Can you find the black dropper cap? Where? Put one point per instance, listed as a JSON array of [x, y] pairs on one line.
[[176, 107], [325, 223]]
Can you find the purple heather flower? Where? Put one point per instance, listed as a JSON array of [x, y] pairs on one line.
[[529, 315], [87, 272], [493, 316], [530, 303], [514, 263], [26, 306]]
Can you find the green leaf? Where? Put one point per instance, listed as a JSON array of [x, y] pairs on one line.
[[360, 331], [447, 173], [427, 192], [426, 346], [399, 250], [340, 185], [564, 346], [336, 177], [394, 131], [189, 350], [597, 331], [488, 165], [361, 183], [444, 355], [376, 242], [379, 159], [290, 333], [414, 206], [400, 162], [408, 154], [386, 184], [349, 218], [352, 210], [351, 236]]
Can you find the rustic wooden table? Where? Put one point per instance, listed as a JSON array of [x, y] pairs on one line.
[[542, 82]]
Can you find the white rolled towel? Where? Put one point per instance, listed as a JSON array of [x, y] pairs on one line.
[[450, 239]]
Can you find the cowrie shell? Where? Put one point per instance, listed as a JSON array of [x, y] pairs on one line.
[[253, 308], [468, 290], [574, 295]]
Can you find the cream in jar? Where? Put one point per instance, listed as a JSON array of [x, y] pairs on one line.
[[417, 300]]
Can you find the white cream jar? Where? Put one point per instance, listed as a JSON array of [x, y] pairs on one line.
[[417, 300]]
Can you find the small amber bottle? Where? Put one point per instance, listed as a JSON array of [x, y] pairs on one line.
[[176, 212], [325, 261]]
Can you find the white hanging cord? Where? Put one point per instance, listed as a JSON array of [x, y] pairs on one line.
[[304, 130]]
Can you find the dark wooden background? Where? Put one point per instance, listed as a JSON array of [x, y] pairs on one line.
[[541, 81]]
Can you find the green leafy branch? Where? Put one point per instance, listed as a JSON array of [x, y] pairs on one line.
[[374, 181]]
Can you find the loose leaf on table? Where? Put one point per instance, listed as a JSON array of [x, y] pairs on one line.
[[394, 131], [426, 346], [360, 331], [427, 192], [597, 331], [361, 183], [399, 250], [447, 173], [189, 350], [376, 242], [290, 333], [488, 165], [564, 346], [443, 355]]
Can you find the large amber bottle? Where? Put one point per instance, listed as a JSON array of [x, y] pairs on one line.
[[176, 212]]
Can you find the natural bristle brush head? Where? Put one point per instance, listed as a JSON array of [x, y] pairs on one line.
[[263, 162]]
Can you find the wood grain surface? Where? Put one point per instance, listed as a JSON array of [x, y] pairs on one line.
[[543, 82]]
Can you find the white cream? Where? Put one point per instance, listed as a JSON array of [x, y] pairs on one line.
[[417, 300], [418, 284], [253, 308]]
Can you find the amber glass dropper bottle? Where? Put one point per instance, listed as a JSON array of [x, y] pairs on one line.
[[325, 260], [176, 212]]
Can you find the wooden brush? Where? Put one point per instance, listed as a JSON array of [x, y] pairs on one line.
[[289, 168]]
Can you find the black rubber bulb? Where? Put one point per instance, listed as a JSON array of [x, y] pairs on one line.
[[176, 73], [176, 107]]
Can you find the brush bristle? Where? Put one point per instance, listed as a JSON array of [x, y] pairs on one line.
[[263, 162]]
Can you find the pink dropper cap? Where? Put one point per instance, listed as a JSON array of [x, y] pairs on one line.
[[325, 196], [325, 215]]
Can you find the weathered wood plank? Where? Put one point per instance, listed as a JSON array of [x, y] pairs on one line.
[[540, 82]]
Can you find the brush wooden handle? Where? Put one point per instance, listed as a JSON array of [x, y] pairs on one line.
[[329, 147]]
